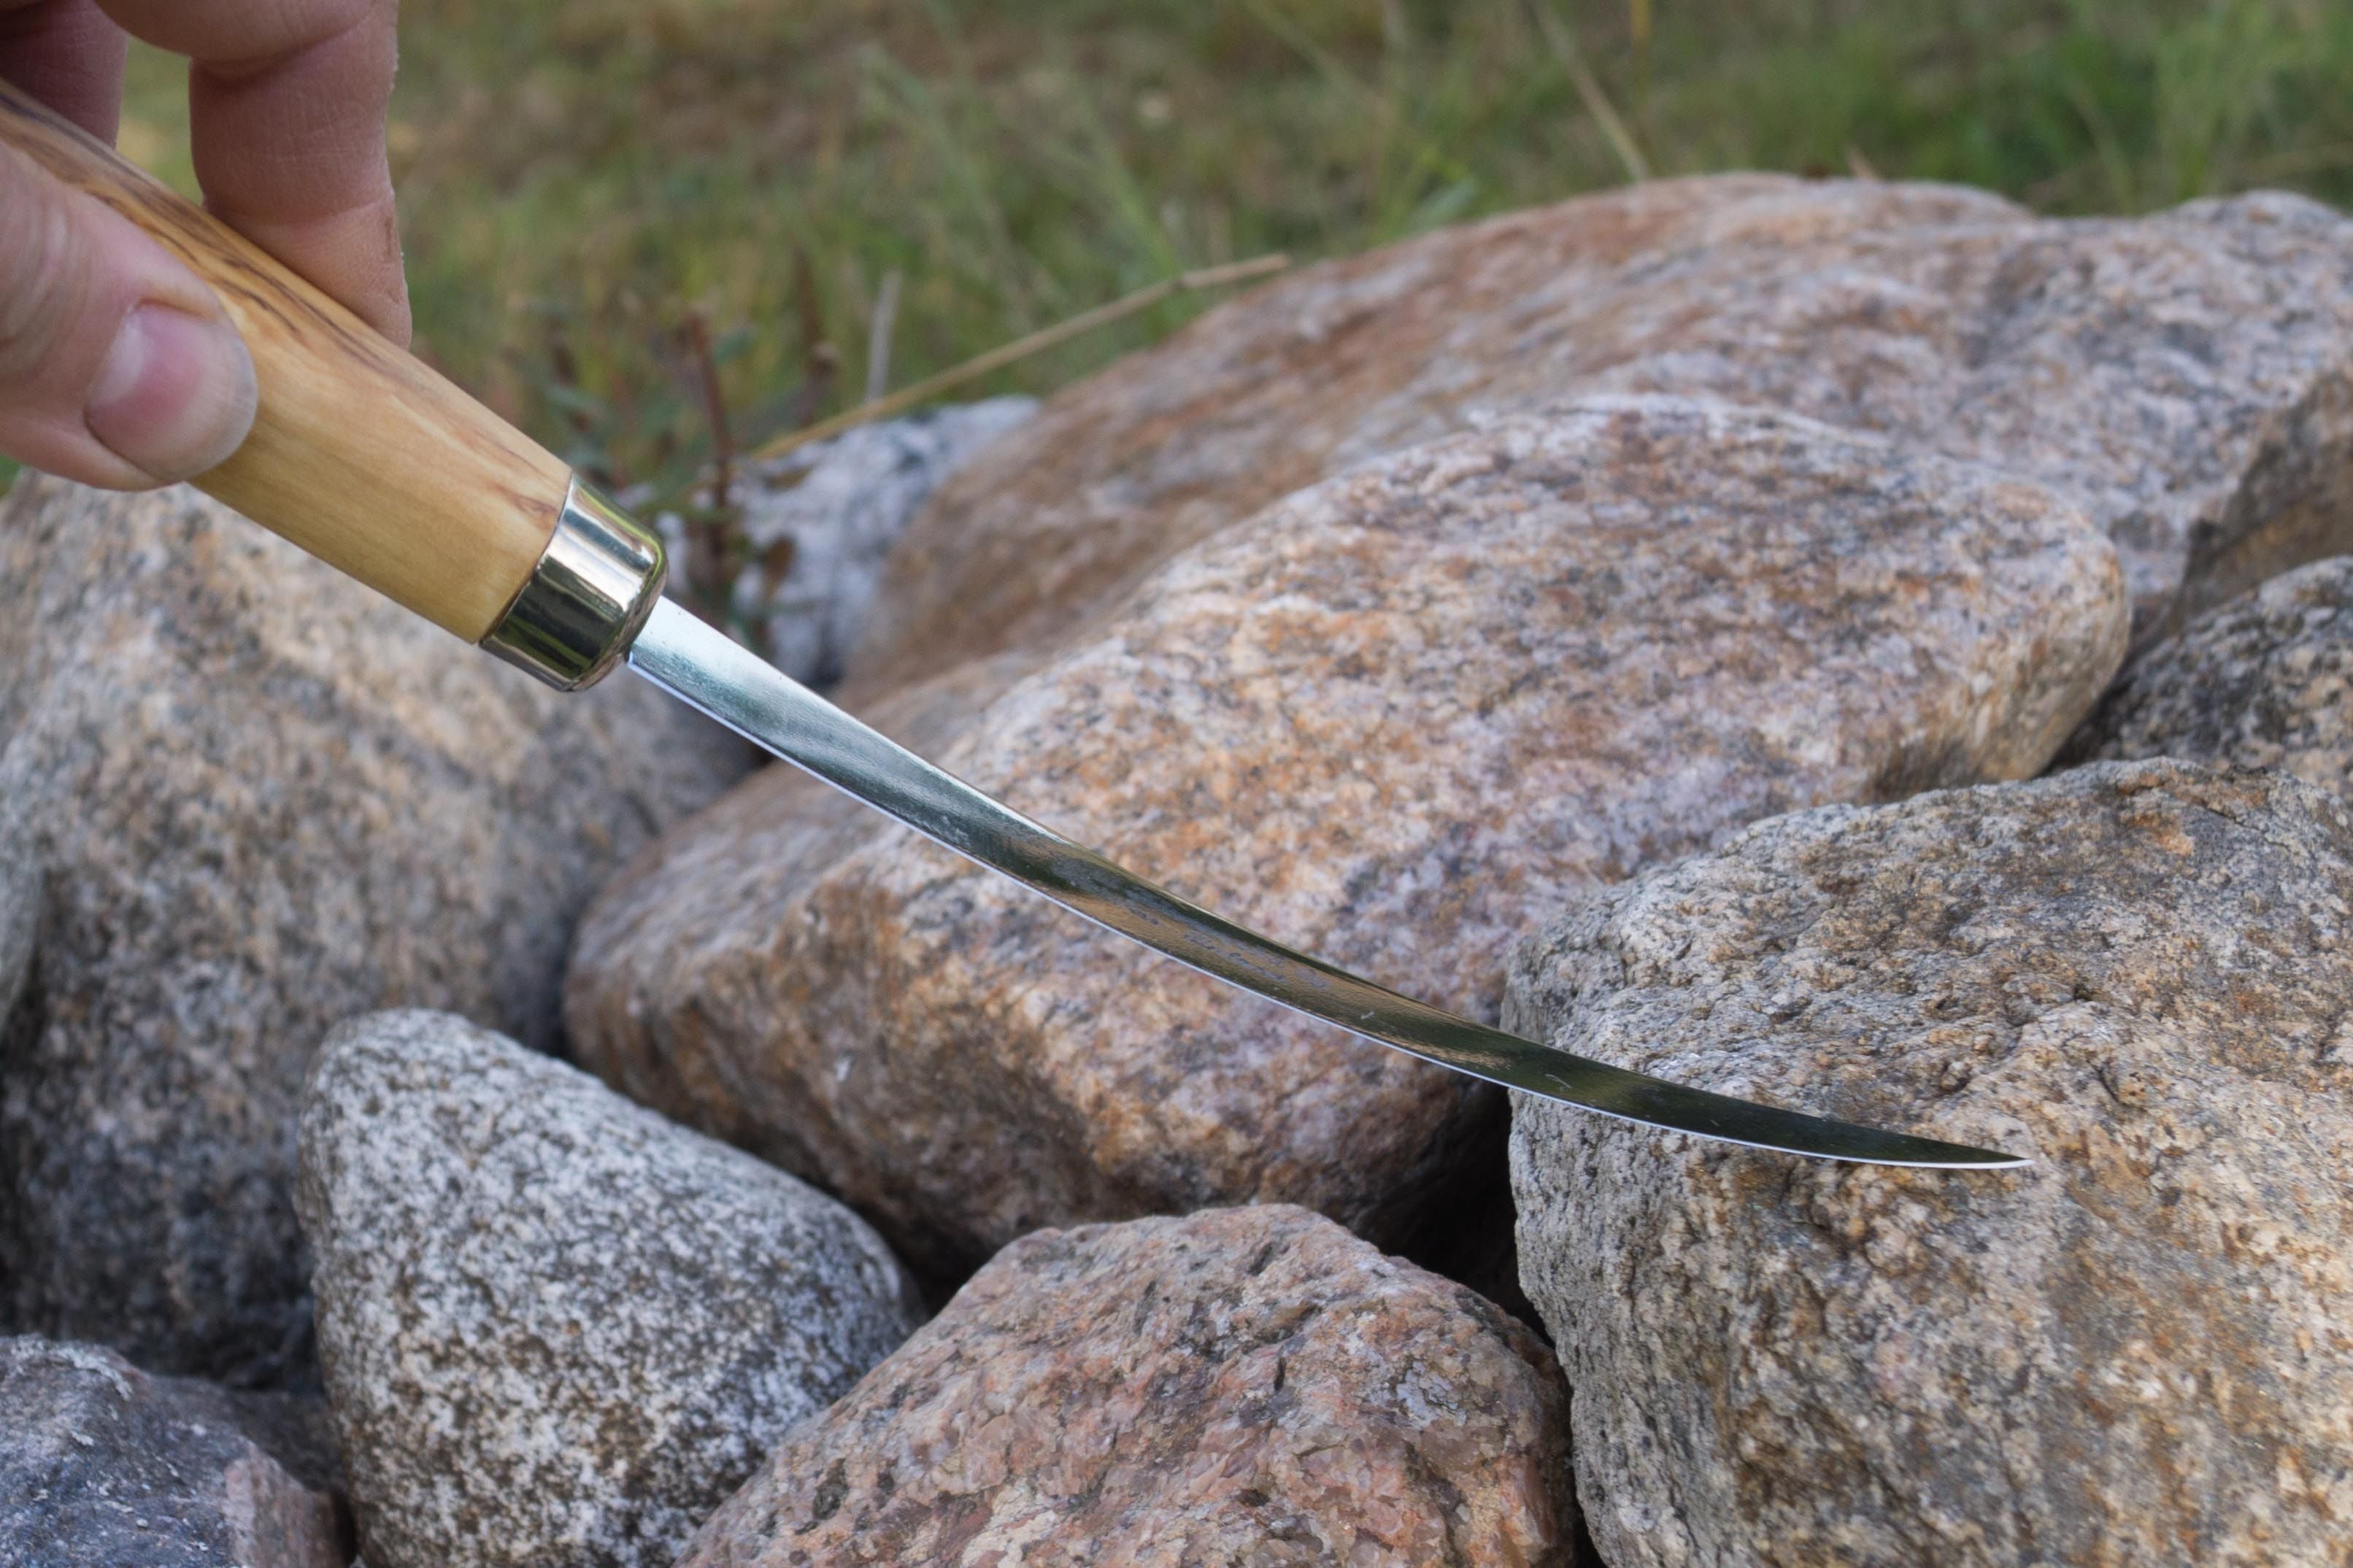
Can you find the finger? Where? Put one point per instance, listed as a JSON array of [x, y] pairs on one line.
[[68, 54], [118, 366], [286, 99]]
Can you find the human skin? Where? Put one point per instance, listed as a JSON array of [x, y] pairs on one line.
[[118, 366]]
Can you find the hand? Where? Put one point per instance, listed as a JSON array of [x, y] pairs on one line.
[[118, 366]]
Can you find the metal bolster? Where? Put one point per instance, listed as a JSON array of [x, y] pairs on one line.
[[588, 598]]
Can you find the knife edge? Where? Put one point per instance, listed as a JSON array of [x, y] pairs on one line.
[[710, 672]]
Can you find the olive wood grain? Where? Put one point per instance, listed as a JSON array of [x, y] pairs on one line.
[[360, 453]]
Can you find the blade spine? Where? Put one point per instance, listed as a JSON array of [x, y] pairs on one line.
[[667, 617]]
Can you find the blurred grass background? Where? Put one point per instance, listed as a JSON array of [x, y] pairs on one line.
[[604, 199]]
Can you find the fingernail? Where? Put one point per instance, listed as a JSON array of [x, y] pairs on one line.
[[176, 395]]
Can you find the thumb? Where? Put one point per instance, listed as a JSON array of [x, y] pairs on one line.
[[118, 366]]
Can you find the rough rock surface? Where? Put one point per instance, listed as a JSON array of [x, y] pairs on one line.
[[103, 1467], [1393, 720], [1245, 1385], [2139, 1350], [819, 521], [20, 910], [262, 798], [558, 1330], [2266, 680], [2183, 377]]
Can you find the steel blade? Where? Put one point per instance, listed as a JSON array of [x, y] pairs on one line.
[[707, 671]]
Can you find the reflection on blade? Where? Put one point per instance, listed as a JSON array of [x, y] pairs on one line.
[[711, 673]]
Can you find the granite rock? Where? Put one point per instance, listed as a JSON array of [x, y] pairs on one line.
[[102, 1466], [2183, 377], [2137, 1349], [20, 909], [1393, 720], [819, 521], [2263, 682], [1244, 1385], [262, 798], [558, 1330]]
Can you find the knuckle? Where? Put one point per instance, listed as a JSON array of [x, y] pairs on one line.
[[239, 36], [306, 24], [309, 22]]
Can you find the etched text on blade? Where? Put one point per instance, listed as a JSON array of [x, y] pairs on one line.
[[702, 668]]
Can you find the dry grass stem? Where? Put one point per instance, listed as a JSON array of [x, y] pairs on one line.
[[1589, 91], [1036, 342], [877, 335], [710, 530]]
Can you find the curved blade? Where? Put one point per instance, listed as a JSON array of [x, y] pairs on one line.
[[710, 672]]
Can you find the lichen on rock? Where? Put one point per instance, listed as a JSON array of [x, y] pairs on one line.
[[817, 524]]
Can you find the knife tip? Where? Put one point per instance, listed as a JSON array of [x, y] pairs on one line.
[[1946, 1157]]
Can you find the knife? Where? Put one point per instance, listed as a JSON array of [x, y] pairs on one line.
[[367, 459]]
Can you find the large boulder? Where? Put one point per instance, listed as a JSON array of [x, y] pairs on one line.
[[1393, 720], [558, 1330], [2183, 377], [1248, 1385], [2137, 1349], [102, 1466], [260, 799], [2266, 680]]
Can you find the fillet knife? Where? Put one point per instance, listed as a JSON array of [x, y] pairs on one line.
[[368, 459]]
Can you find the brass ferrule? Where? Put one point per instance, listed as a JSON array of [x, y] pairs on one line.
[[588, 598]]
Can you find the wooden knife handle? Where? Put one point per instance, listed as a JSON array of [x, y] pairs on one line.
[[360, 453]]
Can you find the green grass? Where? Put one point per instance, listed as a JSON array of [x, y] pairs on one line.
[[579, 178]]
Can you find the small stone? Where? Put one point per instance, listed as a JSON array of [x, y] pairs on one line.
[[557, 1330], [2266, 681], [2185, 378], [1244, 1385], [102, 1466], [818, 522], [260, 798], [2137, 1349], [1393, 722]]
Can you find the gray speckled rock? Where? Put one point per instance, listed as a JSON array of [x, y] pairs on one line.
[[1245, 1385], [103, 1467], [1394, 720], [557, 1330], [2139, 1350], [263, 799], [819, 521], [20, 908], [2186, 378], [2266, 680]]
